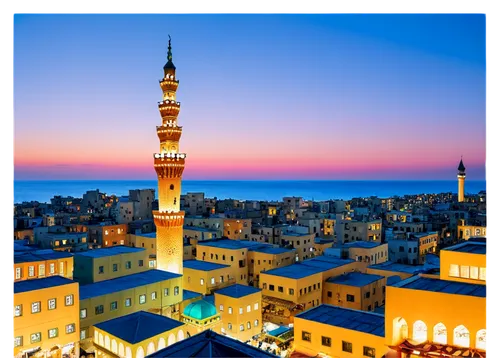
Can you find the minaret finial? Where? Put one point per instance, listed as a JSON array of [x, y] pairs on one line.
[[169, 55]]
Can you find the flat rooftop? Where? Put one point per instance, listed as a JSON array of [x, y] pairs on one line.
[[363, 244], [150, 235], [187, 295], [124, 283], [356, 279], [41, 283], [326, 262], [271, 250], [470, 247], [237, 290], [230, 244], [110, 251], [436, 285], [396, 267], [138, 326], [354, 320], [295, 271], [40, 255], [199, 228], [289, 233], [203, 265]]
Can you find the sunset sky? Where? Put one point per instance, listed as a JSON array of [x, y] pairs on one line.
[[262, 96]]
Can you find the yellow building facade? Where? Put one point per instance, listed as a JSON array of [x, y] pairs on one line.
[[42, 263], [465, 232], [339, 332], [465, 262], [206, 277], [240, 310], [46, 317]]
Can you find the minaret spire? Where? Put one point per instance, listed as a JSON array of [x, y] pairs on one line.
[[169, 65]]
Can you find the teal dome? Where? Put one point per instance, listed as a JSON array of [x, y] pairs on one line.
[[200, 310]]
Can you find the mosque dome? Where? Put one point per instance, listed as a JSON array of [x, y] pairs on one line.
[[200, 310]]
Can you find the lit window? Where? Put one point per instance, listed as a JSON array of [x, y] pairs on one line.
[[230, 310], [18, 273], [241, 310], [464, 271], [142, 299], [31, 271], [106, 232], [153, 296], [113, 305], [128, 302], [52, 269], [306, 336], [249, 326], [202, 281], [151, 263], [230, 326], [18, 310], [36, 337], [52, 332], [166, 292], [212, 281], [70, 328], [256, 322], [482, 273], [249, 308], [83, 334], [176, 290], [41, 270], [61, 268], [256, 306], [474, 272], [52, 304], [69, 300], [35, 307], [83, 313], [128, 265], [221, 308], [242, 327], [18, 341], [453, 271]]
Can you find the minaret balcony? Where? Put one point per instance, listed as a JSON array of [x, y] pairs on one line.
[[169, 85], [169, 133], [169, 108], [169, 165], [168, 219]]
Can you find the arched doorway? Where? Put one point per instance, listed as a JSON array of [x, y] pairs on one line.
[[399, 330], [461, 336], [481, 339], [171, 339], [440, 334], [419, 331]]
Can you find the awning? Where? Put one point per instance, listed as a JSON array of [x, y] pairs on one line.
[[429, 349]]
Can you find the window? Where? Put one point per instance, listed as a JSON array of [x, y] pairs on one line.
[[474, 272], [242, 328], [306, 336], [350, 298], [326, 341], [369, 352], [70, 328], [229, 326], [264, 286], [176, 290], [291, 291], [280, 288], [464, 271], [241, 310], [99, 309], [18, 310], [453, 271], [249, 326], [128, 302], [153, 296], [249, 308], [256, 306], [41, 270], [271, 287], [141, 263], [101, 270], [18, 341], [212, 281], [369, 307], [166, 292], [36, 337], [83, 313], [329, 294], [221, 278], [221, 307], [61, 268], [113, 305], [83, 334], [35, 307], [230, 310], [346, 347], [52, 269], [115, 267], [128, 265], [142, 299], [18, 273], [482, 273], [53, 332], [151, 263], [367, 295], [31, 271], [52, 304], [68, 301]]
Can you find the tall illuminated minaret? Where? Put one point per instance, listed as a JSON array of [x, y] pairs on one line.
[[461, 181], [169, 165]]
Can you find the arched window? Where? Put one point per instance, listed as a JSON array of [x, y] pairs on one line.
[[399, 330], [101, 340], [139, 353], [114, 346], [128, 352], [171, 339], [151, 348], [107, 342], [481, 339], [121, 350], [161, 343], [461, 336], [180, 335], [249, 326], [440, 334], [419, 331]]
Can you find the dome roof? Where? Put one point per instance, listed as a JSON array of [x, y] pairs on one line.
[[199, 310]]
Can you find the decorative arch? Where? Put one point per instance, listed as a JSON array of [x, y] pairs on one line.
[[114, 346], [121, 350], [440, 334], [180, 335], [139, 353], [481, 339], [399, 330], [151, 348], [101, 339], [128, 352], [107, 342], [161, 343], [171, 339], [419, 331], [461, 336]]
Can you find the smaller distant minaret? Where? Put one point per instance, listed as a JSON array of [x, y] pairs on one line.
[[461, 181]]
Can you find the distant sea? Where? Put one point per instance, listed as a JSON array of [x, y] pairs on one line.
[[42, 191]]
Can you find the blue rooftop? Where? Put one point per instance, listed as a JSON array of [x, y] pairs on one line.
[[138, 326], [290, 233], [361, 321], [237, 290], [187, 295], [231, 244], [326, 262], [356, 279], [199, 228], [203, 265], [296, 271], [363, 244], [39, 255], [124, 283], [396, 267], [150, 235], [271, 250], [110, 251], [280, 330], [41, 283], [443, 286], [470, 247]]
